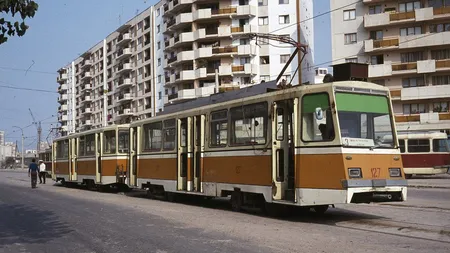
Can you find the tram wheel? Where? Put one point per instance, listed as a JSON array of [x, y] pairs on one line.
[[236, 201], [320, 209]]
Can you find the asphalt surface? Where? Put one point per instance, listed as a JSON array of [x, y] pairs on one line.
[[52, 218]]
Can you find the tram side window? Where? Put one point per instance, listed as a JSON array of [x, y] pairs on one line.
[[169, 134], [249, 124], [418, 145], [109, 142], [81, 144], [219, 129], [440, 145], [153, 136], [90, 145], [62, 150], [317, 125], [401, 144], [124, 141]]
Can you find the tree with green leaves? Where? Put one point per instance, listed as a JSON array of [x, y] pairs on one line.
[[24, 8]]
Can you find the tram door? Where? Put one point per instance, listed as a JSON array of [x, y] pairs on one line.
[[132, 172], [73, 148], [198, 147], [98, 157], [283, 170], [183, 147]]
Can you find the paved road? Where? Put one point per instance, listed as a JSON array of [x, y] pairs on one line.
[[57, 219]]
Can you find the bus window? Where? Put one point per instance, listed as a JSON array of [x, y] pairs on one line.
[[249, 124], [440, 145], [109, 142], [401, 144], [418, 145], [169, 134], [314, 129], [219, 129], [152, 136], [124, 141]]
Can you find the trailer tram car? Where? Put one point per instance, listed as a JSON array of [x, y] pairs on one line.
[[96, 157], [307, 146], [424, 153], [46, 157]]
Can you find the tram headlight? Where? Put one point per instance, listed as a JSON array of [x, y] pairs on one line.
[[395, 172], [354, 173]]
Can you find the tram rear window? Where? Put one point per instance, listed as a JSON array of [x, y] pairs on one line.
[[249, 124], [418, 145], [440, 145]]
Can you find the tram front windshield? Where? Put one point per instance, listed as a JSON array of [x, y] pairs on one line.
[[364, 120]]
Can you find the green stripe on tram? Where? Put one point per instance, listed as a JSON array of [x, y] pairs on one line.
[[361, 103]]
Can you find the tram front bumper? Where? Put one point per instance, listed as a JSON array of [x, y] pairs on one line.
[[375, 190]]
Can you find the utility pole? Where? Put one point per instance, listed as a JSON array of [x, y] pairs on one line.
[[23, 161], [39, 131]]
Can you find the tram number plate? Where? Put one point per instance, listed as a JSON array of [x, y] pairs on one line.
[[375, 172]]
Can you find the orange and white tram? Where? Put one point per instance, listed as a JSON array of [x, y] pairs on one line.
[[95, 157], [313, 145]]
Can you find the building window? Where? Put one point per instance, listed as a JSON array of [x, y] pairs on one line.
[[410, 31], [409, 6], [440, 107], [413, 109], [159, 45], [283, 19], [262, 2], [376, 35], [438, 28], [438, 3], [159, 78], [413, 82], [159, 95], [440, 80], [283, 1], [158, 12], [440, 54], [350, 38], [159, 61], [411, 57], [377, 59], [158, 28], [244, 60], [264, 60], [284, 58], [263, 21], [349, 15], [375, 9], [353, 60]]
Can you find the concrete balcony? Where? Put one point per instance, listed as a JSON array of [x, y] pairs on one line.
[[123, 38], [62, 88], [176, 5], [246, 10], [86, 122], [225, 70], [85, 76], [381, 45], [421, 40], [63, 108], [426, 92], [124, 82], [63, 118], [418, 15], [184, 56], [380, 70], [124, 113], [182, 38], [86, 110], [396, 94], [86, 99], [87, 64], [423, 121], [63, 98], [182, 95], [124, 68], [442, 65], [244, 29], [246, 50], [123, 53], [204, 91], [246, 69], [182, 19], [404, 68], [185, 75], [124, 97], [87, 87], [62, 78]]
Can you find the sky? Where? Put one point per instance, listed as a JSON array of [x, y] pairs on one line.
[[60, 31]]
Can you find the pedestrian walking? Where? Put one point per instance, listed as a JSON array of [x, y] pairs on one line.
[[33, 170], [42, 171]]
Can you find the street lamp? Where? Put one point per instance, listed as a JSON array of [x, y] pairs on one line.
[[23, 162]]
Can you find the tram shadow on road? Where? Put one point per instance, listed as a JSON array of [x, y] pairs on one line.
[[23, 224], [292, 214]]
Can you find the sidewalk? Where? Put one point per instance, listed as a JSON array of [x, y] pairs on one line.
[[436, 181]]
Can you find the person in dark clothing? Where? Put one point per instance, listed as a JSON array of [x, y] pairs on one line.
[[33, 171]]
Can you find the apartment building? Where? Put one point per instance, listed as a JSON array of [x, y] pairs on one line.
[[178, 50], [407, 44]]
